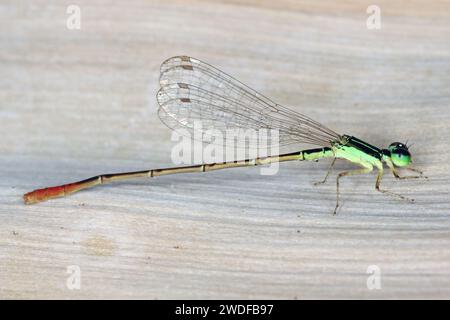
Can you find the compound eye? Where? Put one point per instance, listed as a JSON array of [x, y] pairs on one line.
[[401, 157], [397, 145]]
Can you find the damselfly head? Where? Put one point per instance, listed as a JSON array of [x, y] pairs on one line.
[[400, 155]]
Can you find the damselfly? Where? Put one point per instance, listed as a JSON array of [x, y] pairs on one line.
[[192, 90]]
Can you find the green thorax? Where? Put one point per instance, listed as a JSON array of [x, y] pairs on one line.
[[358, 151]]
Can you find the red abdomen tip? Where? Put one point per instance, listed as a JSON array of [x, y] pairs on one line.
[[43, 194]]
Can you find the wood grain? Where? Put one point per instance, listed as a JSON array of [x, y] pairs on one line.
[[77, 103]]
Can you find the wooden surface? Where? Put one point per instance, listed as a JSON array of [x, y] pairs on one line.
[[76, 103]]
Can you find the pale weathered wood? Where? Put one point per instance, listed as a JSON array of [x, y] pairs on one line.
[[76, 103]]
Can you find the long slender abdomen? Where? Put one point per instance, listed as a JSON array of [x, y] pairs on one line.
[[66, 189]]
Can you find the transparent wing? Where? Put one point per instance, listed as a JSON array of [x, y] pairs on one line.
[[198, 99]]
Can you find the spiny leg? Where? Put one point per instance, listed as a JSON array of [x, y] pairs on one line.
[[414, 170], [365, 170], [421, 175], [378, 183], [396, 174], [328, 173]]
